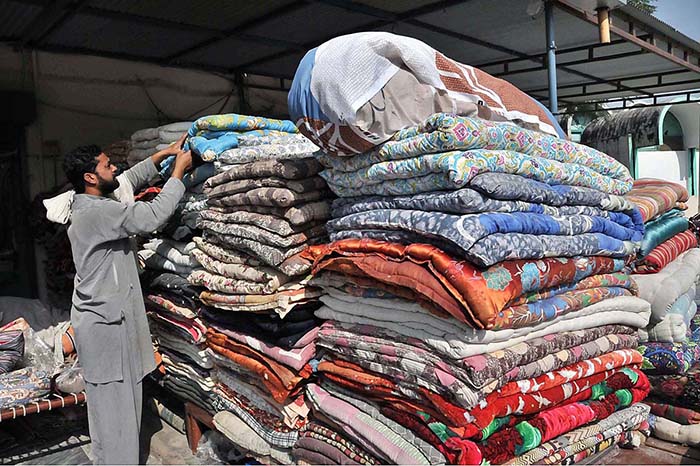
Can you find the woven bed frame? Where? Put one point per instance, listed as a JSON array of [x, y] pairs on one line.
[[45, 404]]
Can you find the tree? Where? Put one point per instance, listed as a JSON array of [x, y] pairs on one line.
[[644, 5]]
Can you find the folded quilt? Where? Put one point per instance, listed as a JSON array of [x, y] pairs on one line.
[[683, 416], [223, 284], [433, 455], [627, 382], [352, 452], [463, 231], [575, 441], [511, 187], [666, 252], [146, 134], [675, 326], [270, 223], [671, 431], [271, 419], [444, 132], [456, 341], [454, 170], [300, 149], [177, 344], [293, 291], [295, 358], [271, 255], [155, 261], [262, 235], [477, 296], [224, 255], [175, 251], [162, 303], [22, 386], [226, 407], [372, 434], [241, 186], [245, 391], [240, 123], [227, 128], [270, 197], [278, 379], [191, 329], [286, 169], [11, 347], [481, 374], [471, 201], [664, 288], [302, 214], [245, 272], [287, 333], [670, 358], [662, 229], [655, 197]]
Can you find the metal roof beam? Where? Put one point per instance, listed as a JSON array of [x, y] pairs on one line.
[[650, 46], [366, 27], [563, 65], [655, 86], [540, 57], [237, 32], [51, 18], [690, 97], [659, 77]]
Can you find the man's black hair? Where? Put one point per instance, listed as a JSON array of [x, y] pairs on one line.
[[79, 161]]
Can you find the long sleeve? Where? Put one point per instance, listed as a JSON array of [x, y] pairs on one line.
[[118, 220], [140, 174]]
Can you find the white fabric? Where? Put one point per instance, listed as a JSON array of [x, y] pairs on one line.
[[662, 289], [155, 261], [173, 251], [144, 145], [671, 431], [456, 340], [145, 134], [341, 90], [671, 329], [59, 208]]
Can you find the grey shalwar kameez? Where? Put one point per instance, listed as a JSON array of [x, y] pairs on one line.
[[111, 331]]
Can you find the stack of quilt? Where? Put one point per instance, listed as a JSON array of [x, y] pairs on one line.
[[668, 270], [264, 205], [148, 141], [172, 308], [478, 302]]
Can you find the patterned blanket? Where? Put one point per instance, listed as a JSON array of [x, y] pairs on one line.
[[662, 229], [655, 197], [446, 132], [457, 287], [456, 169], [346, 112], [666, 252], [451, 339], [462, 233]]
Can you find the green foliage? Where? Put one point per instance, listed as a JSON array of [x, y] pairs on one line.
[[644, 5]]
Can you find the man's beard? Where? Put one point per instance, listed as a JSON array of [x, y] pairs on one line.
[[107, 187]]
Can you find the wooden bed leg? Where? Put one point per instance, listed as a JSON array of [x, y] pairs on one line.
[[194, 430]]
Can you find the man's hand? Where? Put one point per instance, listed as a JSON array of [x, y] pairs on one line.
[[183, 164], [172, 149]]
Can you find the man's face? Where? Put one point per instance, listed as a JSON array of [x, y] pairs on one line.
[[104, 177]]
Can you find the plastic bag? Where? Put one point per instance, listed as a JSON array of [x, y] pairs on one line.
[[214, 448], [71, 380], [37, 353]]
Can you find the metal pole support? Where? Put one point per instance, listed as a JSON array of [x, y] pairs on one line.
[[551, 56]]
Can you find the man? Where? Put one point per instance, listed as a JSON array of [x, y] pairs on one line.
[[108, 314]]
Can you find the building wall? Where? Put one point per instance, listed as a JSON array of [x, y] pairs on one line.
[[85, 99]]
